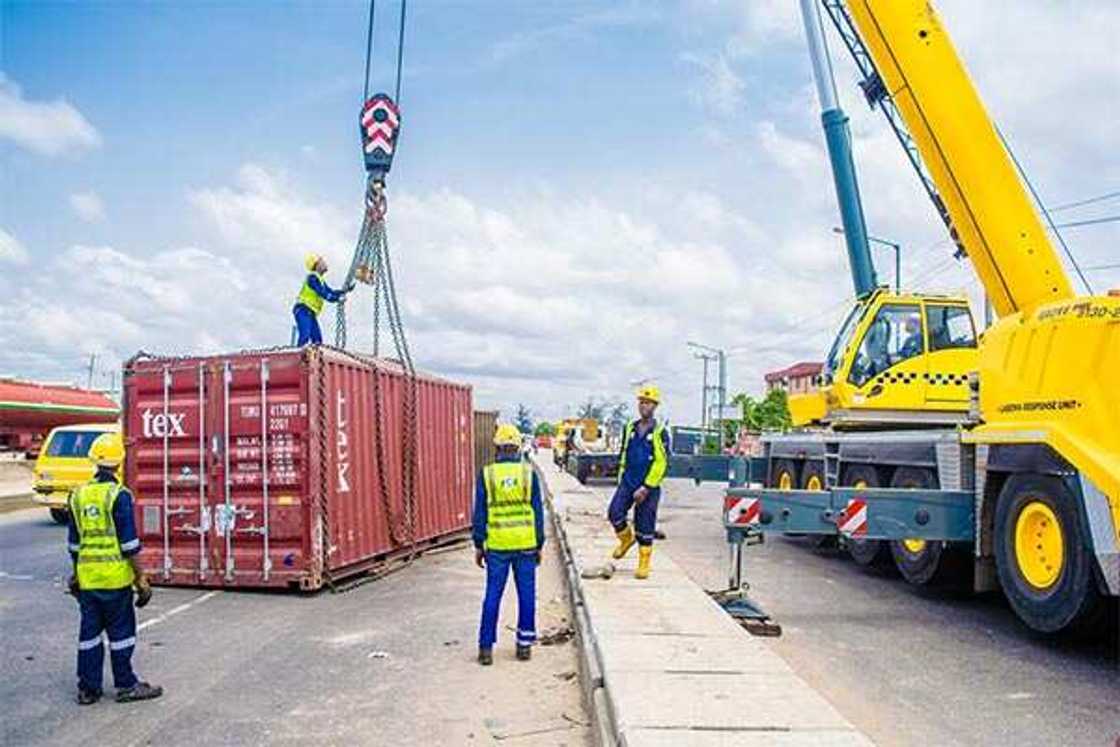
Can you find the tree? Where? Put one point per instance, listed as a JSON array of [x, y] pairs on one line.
[[545, 428], [591, 409], [523, 419], [620, 413], [766, 414]]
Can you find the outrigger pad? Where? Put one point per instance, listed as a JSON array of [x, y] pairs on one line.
[[379, 124]]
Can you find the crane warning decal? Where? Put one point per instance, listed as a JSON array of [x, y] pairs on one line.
[[853, 520], [741, 511]]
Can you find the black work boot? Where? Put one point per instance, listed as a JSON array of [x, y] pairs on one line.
[[88, 697], [486, 656], [139, 691], [524, 653]]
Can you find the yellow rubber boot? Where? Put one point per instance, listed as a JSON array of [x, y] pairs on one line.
[[625, 542], [643, 561]]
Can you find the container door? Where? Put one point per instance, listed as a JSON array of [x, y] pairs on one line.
[[167, 465], [258, 517]]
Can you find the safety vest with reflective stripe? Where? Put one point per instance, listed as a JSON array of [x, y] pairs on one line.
[[308, 297], [510, 519], [100, 563], [660, 463]]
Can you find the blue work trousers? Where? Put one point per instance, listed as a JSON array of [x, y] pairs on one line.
[[108, 611], [524, 565], [308, 325], [645, 513]]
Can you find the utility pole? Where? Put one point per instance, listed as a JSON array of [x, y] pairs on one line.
[[706, 358], [720, 356], [89, 376]]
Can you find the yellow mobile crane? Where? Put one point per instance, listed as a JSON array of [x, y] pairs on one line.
[[1031, 482]]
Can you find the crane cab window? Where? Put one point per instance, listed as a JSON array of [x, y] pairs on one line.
[[894, 336], [949, 327]]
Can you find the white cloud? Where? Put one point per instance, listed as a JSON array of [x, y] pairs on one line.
[[721, 88], [48, 128], [88, 206], [11, 250]]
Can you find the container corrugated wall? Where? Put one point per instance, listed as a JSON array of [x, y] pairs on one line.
[[485, 423], [202, 432]]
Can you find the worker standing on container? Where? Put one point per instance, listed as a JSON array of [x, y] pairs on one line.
[[309, 303], [508, 533], [643, 461], [103, 546]]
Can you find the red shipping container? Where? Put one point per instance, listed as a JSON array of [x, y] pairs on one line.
[[201, 433]]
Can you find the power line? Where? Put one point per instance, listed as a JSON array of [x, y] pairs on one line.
[[1089, 201], [1090, 222]]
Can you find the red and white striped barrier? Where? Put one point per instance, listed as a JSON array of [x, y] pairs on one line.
[[852, 522], [740, 512]]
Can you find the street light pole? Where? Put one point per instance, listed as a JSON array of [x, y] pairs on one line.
[[897, 256]]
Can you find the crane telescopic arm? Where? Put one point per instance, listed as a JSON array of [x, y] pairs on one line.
[[839, 140], [990, 209]]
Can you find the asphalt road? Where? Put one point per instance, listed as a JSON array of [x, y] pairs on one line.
[[908, 666], [390, 662]]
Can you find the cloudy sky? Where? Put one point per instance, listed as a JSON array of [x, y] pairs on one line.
[[581, 187]]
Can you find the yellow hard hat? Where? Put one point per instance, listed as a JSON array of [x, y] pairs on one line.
[[107, 450], [310, 260], [507, 434], [650, 392]]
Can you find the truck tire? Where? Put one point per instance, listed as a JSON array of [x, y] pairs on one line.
[[919, 561], [812, 476], [866, 553], [1042, 555], [783, 474], [60, 516]]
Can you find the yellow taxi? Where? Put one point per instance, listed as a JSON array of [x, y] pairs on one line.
[[63, 464]]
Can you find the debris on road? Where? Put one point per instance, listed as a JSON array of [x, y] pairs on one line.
[[604, 572], [556, 636]]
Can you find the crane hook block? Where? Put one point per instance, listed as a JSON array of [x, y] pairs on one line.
[[380, 123]]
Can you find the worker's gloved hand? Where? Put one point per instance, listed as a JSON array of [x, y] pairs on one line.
[[641, 494], [72, 587], [537, 557], [143, 592], [479, 557]]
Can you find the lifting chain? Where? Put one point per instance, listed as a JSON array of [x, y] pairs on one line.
[[372, 264], [319, 371]]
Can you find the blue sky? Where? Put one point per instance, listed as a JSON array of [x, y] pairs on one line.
[[580, 186]]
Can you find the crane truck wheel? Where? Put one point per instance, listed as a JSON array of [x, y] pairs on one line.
[[60, 516], [783, 474], [865, 552], [812, 478], [1040, 546], [919, 561]]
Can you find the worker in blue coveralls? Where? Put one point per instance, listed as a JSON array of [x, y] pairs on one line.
[[103, 547], [309, 303], [508, 533], [643, 462]]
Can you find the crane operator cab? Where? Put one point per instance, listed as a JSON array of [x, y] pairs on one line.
[[899, 358]]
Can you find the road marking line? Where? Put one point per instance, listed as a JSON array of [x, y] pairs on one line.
[[16, 576], [176, 610]]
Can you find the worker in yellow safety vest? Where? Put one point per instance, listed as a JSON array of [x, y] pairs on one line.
[[312, 295], [508, 533], [103, 546], [643, 461]]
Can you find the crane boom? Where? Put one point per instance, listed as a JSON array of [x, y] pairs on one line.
[[991, 211], [839, 140]]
